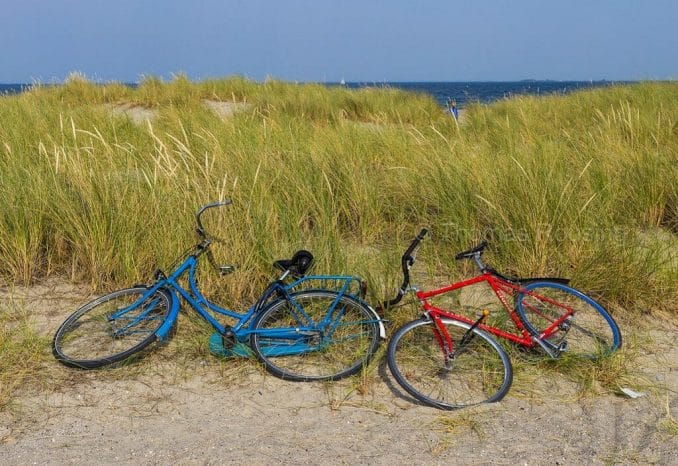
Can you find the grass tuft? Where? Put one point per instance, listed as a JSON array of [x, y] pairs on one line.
[[22, 352]]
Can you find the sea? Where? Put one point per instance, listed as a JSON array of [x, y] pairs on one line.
[[462, 93]]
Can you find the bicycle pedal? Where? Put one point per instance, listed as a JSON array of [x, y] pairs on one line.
[[228, 339]]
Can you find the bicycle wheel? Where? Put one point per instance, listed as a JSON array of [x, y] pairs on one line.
[[317, 335], [589, 332], [102, 332], [477, 371]]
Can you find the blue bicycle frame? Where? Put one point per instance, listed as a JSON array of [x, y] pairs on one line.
[[243, 328]]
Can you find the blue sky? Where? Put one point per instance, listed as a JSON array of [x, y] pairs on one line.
[[324, 40]]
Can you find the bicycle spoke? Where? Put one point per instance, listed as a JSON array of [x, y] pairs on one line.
[[474, 372], [345, 337], [99, 333], [588, 331]]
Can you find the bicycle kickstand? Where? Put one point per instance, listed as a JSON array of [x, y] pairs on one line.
[[469, 333]]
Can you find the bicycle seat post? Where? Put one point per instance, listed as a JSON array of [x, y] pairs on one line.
[[479, 263]]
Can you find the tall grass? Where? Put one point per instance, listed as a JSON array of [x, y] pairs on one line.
[[583, 185], [21, 351]]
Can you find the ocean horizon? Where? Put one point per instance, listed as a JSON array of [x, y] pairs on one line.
[[462, 92]]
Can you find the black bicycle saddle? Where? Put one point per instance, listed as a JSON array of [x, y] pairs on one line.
[[298, 264], [472, 252]]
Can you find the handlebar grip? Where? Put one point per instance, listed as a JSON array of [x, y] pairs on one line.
[[219, 203], [226, 269], [472, 252], [222, 269], [422, 234], [201, 229]]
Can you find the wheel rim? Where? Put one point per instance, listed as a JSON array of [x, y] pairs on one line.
[[99, 333], [477, 373], [317, 352]]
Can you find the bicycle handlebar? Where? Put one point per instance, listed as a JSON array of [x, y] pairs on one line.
[[475, 253], [407, 261], [201, 229], [411, 250], [223, 269]]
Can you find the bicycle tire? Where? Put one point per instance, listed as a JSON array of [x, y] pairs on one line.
[[480, 372], [293, 350], [89, 339], [590, 333]]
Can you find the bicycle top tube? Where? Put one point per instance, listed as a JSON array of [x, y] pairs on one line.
[[500, 289], [193, 296]]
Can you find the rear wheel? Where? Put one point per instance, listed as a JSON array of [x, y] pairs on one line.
[[317, 335], [111, 328], [589, 332], [478, 369]]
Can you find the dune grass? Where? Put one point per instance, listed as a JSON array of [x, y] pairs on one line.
[[583, 185], [22, 352]]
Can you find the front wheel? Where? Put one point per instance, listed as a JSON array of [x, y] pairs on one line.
[[579, 325], [475, 370], [111, 328], [315, 335]]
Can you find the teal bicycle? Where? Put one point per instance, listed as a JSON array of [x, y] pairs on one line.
[[302, 328]]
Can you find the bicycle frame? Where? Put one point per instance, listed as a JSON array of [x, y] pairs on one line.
[[501, 288], [205, 308]]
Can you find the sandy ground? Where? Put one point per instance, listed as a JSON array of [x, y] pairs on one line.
[[136, 113], [141, 115], [226, 109], [206, 411]]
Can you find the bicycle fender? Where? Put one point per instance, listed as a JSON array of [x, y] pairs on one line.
[[527, 281], [382, 329], [167, 325]]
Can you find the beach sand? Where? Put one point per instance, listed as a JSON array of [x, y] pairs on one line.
[[141, 115], [206, 411]]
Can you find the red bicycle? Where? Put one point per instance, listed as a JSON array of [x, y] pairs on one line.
[[449, 360]]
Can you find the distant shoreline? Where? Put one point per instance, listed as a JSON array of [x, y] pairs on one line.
[[463, 92]]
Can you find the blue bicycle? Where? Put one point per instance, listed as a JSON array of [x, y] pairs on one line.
[[303, 328]]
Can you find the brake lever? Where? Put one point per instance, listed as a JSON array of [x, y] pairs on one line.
[[222, 269], [226, 269]]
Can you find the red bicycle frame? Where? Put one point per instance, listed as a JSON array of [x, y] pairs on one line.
[[501, 288]]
